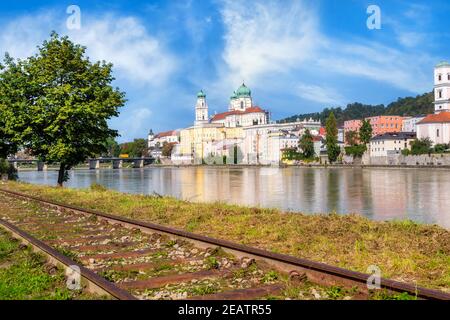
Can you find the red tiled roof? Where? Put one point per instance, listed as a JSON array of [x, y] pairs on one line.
[[223, 115], [322, 131], [443, 117], [317, 138], [166, 134]]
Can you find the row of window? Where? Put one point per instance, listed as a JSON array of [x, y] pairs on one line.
[[390, 119], [382, 149], [387, 125], [440, 77]]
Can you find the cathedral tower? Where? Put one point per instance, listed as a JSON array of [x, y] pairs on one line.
[[241, 99], [201, 109], [442, 87]]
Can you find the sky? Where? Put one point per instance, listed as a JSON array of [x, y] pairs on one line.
[[296, 56]]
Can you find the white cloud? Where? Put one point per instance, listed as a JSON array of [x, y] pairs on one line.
[[267, 37], [138, 56], [274, 37], [319, 94], [20, 36]]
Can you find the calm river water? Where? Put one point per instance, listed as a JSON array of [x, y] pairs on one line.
[[422, 195]]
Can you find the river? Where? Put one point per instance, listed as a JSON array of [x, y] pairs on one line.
[[422, 195]]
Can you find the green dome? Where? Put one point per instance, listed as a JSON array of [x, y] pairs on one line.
[[201, 94], [443, 64], [234, 96], [243, 91]]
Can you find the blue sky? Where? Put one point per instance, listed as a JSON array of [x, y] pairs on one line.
[[296, 56]]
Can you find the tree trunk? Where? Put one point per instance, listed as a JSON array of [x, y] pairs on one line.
[[61, 174]]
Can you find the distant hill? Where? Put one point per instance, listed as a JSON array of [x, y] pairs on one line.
[[410, 106]]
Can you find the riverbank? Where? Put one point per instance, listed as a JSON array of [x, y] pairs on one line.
[[403, 250]]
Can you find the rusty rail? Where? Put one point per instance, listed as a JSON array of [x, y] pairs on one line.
[[316, 270], [95, 283]]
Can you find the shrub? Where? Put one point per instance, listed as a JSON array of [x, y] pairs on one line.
[[422, 146], [356, 150], [98, 187], [440, 148], [406, 152]]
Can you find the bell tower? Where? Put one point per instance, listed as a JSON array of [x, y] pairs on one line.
[[442, 87], [201, 109]]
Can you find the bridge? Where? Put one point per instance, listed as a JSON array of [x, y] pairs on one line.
[[117, 163]]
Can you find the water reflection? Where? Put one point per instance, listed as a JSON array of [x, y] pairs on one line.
[[381, 194]]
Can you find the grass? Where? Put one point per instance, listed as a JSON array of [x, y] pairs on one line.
[[23, 275], [403, 250]]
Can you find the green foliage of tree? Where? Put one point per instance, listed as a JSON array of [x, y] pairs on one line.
[[291, 154], [112, 148], [356, 150], [365, 132], [167, 149], [441, 148], [412, 106], [331, 139], [136, 149], [60, 104], [351, 138], [11, 89], [422, 146], [306, 144]]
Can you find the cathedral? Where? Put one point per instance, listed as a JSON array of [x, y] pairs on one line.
[[241, 111]]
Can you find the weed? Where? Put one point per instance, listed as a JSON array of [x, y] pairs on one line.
[[270, 276], [212, 263]]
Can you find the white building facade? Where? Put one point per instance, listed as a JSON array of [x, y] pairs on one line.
[[264, 144], [410, 123], [391, 143], [436, 126]]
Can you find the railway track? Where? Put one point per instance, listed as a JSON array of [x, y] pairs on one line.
[[142, 260]]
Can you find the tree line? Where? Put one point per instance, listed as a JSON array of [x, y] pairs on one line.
[[57, 104], [409, 106]]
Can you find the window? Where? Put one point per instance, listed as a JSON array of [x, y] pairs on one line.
[[440, 93], [242, 104], [440, 77], [437, 133]]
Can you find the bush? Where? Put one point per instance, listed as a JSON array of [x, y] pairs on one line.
[[440, 148], [406, 152], [98, 187], [6, 168], [356, 150], [422, 146]]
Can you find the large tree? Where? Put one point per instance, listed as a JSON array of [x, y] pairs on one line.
[[137, 148], [65, 105], [306, 144], [331, 140], [365, 132], [11, 97]]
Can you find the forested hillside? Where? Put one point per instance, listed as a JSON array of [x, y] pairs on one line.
[[410, 106]]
